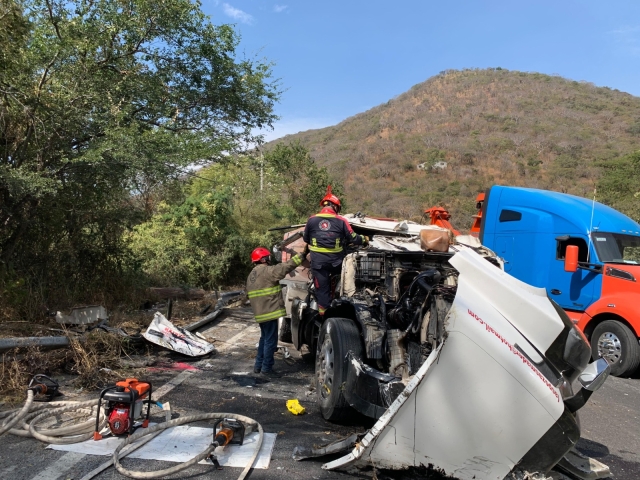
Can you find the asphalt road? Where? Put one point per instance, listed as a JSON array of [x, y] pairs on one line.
[[226, 383], [610, 424]]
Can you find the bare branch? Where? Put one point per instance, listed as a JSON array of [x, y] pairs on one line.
[[53, 21]]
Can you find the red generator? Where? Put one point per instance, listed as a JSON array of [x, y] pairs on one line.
[[123, 405]]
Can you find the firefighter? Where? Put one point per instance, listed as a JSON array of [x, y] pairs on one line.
[[327, 234], [265, 293]]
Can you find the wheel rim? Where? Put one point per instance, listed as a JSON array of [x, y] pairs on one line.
[[325, 368], [609, 347]]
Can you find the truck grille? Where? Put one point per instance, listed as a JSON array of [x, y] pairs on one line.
[[370, 268]]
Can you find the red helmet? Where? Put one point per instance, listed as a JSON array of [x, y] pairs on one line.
[[330, 198], [259, 253]]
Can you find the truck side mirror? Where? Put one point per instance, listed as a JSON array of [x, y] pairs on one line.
[[571, 259], [594, 375]]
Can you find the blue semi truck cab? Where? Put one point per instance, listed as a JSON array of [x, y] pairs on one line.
[[537, 232]]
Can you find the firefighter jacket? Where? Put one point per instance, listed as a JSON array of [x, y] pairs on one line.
[[327, 235], [264, 289]]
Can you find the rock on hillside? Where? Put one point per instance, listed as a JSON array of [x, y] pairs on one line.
[[489, 126]]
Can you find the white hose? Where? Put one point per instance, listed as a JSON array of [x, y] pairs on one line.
[[197, 458], [31, 414], [17, 415], [71, 434]]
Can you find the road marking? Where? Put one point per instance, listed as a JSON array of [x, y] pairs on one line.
[[171, 384], [60, 466], [232, 341], [7, 470], [69, 460]]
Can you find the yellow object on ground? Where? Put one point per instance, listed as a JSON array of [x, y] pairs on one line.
[[294, 407]]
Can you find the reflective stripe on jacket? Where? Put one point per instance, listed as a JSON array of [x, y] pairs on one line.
[[327, 234], [264, 290]]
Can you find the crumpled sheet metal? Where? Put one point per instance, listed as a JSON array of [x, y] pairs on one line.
[[164, 333]]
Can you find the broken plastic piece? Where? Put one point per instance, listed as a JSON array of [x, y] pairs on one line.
[[339, 446], [83, 315], [583, 467], [294, 407]]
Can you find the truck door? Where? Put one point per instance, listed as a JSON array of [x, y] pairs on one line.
[[573, 291], [504, 249]]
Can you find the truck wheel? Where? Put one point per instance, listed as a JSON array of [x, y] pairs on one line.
[[617, 344], [337, 337], [284, 330]]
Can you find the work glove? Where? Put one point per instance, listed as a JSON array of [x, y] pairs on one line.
[[365, 241], [306, 250]]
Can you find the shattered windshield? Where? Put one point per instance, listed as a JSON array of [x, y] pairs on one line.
[[617, 247]]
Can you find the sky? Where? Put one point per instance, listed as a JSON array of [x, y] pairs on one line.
[[335, 59]]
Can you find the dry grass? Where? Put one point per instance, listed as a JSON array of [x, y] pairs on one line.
[[96, 360], [17, 369]]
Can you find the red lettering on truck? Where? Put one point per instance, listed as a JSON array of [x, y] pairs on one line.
[[516, 352]]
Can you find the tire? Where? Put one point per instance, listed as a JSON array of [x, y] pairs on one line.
[[284, 330], [618, 345], [337, 337]]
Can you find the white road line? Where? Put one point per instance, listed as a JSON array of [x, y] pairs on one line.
[[4, 473], [171, 384], [232, 341], [69, 460], [60, 466]]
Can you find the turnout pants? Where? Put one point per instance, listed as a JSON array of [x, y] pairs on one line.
[[267, 346], [322, 279]]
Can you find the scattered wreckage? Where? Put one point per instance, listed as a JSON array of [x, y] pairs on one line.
[[161, 331], [466, 369]]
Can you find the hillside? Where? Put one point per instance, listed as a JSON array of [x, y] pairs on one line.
[[489, 126]]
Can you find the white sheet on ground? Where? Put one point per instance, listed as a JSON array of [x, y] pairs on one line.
[[179, 444]]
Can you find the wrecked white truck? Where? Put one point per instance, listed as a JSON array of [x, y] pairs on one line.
[[467, 370]]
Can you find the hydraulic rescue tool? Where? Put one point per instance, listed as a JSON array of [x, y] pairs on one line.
[[226, 431], [124, 403], [45, 386]]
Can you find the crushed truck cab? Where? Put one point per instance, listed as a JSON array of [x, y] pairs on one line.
[[466, 369]]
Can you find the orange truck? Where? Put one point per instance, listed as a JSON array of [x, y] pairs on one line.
[[585, 254]]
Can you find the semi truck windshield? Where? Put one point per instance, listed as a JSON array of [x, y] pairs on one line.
[[617, 247]]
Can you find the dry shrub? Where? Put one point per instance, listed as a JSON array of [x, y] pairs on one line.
[[96, 360], [17, 370], [14, 379]]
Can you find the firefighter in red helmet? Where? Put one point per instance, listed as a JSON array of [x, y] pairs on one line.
[[265, 293], [327, 234]]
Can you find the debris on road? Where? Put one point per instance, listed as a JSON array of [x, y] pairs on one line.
[[83, 315], [339, 446], [227, 299], [294, 407], [164, 333]]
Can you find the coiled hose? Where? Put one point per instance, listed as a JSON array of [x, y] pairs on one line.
[[26, 419], [201, 456], [22, 422]]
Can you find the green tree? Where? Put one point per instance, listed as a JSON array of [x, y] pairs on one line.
[[304, 182], [619, 186], [205, 239], [194, 243], [98, 100]]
